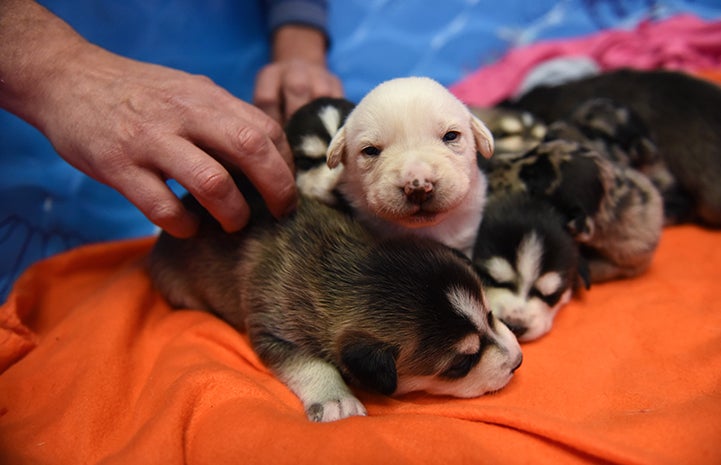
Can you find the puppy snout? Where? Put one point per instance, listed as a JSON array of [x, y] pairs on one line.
[[418, 191]]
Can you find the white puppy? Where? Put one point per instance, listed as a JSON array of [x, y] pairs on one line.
[[409, 152]]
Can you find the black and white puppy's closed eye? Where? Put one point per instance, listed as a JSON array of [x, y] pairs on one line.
[[528, 261]]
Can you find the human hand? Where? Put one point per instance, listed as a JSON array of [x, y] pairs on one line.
[[297, 74], [283, 87], [134, 125]]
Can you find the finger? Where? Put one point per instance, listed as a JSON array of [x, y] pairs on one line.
[[325, 84], [277, 135], [319, 82], [149, 193], [297, 89], [264, 119], [249, 147], [206, 179], [266, 94]]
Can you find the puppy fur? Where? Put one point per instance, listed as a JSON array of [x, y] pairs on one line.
[[528, 261], [682, 117], [409, 155], [617, 132], [613, 211], [309, 131], [514, 132], [324, 303]]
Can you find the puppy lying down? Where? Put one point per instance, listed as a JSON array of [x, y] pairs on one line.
[[613, 212], [324, 303], [528, 261], [408, 153]]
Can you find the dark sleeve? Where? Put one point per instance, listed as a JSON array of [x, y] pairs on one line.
[[312, 13]]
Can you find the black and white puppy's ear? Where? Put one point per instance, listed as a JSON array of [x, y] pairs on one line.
[[371, 362]]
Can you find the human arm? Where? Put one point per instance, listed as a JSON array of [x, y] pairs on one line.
[[133, 125], [298, 71]]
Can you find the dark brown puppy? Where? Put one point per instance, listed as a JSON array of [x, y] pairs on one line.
[[682, 114]]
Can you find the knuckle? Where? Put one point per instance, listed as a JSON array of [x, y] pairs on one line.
[[297, 86], [200, 81], [249, 140], [212, 182], [273, 129], [164, 213]]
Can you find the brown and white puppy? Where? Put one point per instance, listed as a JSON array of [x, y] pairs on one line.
[[409, 155], [325, 302], [612, 211]]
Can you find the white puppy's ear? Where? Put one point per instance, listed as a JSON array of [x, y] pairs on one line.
[[336, 149], [483, 137]]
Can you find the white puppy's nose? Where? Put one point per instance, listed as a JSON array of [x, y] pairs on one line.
[[418, 191]]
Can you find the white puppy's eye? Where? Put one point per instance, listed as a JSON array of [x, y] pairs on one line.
[[451, 136], [371, 151]]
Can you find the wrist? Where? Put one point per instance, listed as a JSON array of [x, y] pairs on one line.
[[296, 42]]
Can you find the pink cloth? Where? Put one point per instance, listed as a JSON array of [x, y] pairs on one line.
[[683, 42]]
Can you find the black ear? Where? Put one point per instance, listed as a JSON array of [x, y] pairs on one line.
[[580, 225], [370, 362], [584, 272]]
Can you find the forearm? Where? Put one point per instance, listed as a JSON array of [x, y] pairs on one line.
[[35, 46]]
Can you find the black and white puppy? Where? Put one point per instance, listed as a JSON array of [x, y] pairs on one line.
[[528, 261], [613, 211], [409, 155], [325, 302], [681, 113], [309, 131]]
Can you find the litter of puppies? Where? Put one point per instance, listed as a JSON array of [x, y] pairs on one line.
[[417, 261]]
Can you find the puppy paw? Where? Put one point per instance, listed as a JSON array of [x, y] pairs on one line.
[[335, 409]]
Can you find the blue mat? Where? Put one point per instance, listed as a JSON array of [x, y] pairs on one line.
[[47, 206]]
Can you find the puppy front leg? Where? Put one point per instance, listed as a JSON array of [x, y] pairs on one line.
[[320, 387], [317, 383]]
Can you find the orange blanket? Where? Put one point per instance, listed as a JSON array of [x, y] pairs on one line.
[[97, 369]]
